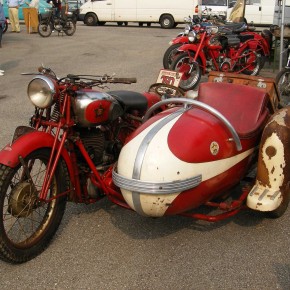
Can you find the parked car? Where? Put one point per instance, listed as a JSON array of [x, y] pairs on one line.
[[43, 8]]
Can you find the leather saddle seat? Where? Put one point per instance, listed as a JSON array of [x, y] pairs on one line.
[[130, 100], [245, 107]]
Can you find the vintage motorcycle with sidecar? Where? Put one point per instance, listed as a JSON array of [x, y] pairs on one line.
[[83, 145]]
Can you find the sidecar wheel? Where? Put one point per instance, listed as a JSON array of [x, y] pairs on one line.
[[283, 84], [44, 29], [281, 209], [191, 70], [70, 28], [170, 54], [27, 224], [249, 63]]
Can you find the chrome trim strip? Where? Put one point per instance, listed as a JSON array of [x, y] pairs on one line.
[[263, 194], [138, 186], [141, 154], [203, 106]]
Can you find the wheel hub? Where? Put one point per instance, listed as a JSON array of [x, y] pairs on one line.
[[23, 200]]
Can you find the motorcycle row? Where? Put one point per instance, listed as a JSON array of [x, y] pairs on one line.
[[162, 152], [206, 46]]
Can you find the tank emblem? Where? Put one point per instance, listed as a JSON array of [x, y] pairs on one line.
[[214, 148]]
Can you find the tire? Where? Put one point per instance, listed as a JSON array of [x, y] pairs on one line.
[[167, 21], [282, 207], [283, 85], [169, 54], [44, 29], [251, 60], [27, 225], [70, 28], [91, 19], [182, 64], [120, 23]]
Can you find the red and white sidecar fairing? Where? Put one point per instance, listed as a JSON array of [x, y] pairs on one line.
[[271, 192], [187, 155]]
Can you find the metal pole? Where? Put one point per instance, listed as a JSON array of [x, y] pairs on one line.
[[282, 35]]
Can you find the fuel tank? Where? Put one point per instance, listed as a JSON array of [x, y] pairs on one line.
[[178, 160]]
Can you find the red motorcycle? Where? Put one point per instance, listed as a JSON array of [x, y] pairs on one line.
[[243, 31], [219, 49], [66, 154], [69, 153]]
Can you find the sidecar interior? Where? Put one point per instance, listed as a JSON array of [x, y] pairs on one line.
[[245, 107]]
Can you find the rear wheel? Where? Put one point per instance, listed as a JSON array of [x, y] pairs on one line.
[[44, 29], [249, 62], [283, 84], [191, 70], [91, 19], [70, 28], [27, 224], [169, 54]]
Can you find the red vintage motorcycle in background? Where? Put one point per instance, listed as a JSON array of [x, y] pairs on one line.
[[243, 31], [219, 49]]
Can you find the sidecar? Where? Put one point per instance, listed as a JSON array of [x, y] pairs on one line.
[[195, 151]]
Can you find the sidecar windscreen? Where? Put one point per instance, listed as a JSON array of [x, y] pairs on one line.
[[245, 107]]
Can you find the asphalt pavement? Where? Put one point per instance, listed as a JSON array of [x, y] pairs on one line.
[[103, 246]]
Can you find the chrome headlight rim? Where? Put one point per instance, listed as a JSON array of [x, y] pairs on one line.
[[187, 29], [41, 91], [191, 36]]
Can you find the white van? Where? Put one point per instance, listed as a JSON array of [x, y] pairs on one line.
[[168, 13], [263, 12]]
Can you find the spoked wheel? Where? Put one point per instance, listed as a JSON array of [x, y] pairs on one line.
[[283, 84], [169, 55], [44, 29], [166, 90], [69, 28], [27, 225], [249, 62], [191, 70]]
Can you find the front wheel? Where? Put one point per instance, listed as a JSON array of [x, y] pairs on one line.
[[5, 27], [27, 224], [44, 29], [249, 62], [191, 70], [69, 28], [169, 55], [283, 84]]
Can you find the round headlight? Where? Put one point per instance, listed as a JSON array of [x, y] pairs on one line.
[[213, 29], [191, 36], [41, 91], [186, 29]]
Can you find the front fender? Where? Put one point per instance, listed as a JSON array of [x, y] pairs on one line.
[[27, 143], [179, 39]]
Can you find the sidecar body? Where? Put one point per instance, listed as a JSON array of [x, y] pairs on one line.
[[193, 152]]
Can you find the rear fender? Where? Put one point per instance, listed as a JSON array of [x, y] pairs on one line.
[[256, 45], [193, 48], [27, 143]]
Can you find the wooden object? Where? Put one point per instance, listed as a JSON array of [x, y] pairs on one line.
[[266, 84]]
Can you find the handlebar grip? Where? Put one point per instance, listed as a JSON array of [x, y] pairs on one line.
[[124, 80]]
